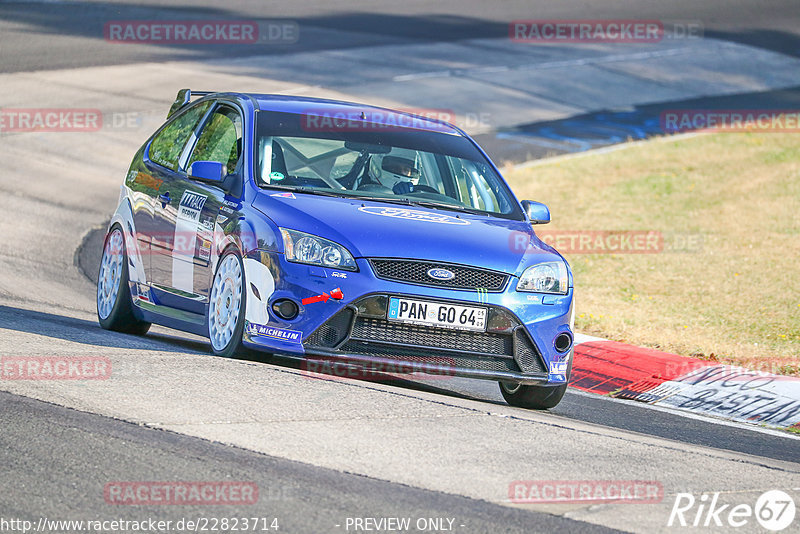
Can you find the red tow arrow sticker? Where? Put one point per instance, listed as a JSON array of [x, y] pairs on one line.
[[336, 294]]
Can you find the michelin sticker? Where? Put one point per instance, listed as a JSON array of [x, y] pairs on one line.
[[414, 215], [289, 336]]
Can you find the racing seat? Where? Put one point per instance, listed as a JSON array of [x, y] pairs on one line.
[[271, 159], [278, 161]]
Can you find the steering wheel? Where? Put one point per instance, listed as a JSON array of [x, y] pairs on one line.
[[425, 189]]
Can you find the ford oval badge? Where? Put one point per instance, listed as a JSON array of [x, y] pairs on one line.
[[438, 273]]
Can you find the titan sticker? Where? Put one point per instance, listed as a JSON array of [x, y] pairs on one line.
[[191, 205]]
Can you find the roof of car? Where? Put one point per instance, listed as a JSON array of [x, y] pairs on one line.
[[339, 110]]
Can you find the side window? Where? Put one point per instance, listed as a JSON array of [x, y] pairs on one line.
[[167, 146], [220, 139]]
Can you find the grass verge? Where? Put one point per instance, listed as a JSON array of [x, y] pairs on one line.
[[723, 283]]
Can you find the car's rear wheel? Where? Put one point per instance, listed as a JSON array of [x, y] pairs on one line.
[[226, 307], [114, 306], [532, 397]]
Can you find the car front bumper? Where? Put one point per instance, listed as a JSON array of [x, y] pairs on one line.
[[517, 346]]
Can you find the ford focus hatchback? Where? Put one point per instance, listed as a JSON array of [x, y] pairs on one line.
[[333, 231]]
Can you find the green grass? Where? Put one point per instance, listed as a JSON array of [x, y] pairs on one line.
[[736, 297]]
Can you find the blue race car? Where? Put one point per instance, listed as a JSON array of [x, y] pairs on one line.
[[333, 231]]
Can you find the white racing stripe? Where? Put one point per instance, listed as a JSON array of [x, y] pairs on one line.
[[257, 275], [185, 240]]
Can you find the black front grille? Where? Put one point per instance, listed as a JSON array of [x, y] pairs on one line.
[[334, 331], [381, 330], [527, 356], [416, 272], [432, 357], [363, 329]]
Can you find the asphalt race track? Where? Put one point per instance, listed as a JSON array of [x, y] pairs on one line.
[[322, 450]]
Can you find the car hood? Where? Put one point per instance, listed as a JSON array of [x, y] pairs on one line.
[[383, 230]]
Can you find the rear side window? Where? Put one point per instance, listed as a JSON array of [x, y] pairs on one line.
[[168, 144]]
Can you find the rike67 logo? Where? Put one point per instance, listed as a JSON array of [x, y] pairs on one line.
[[774, 511]]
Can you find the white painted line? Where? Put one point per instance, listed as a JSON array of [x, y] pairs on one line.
[[734, 393], [723, 392], [421, 75], [540, 141], [605, 149], [692, 415], [612, 58], [584, 338]]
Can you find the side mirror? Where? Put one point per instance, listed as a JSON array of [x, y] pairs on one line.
[[536, 211], [211, 171]]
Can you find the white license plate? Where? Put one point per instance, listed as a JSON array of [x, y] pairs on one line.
[[437, 314]]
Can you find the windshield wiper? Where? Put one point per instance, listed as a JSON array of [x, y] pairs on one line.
[[302, 189], [447, 206], [425, 204], [405, 201], [390, 200]]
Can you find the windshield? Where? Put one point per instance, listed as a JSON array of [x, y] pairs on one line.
[[412, 167]]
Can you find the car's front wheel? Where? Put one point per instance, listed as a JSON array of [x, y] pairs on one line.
[[532, 397], [226, 307], [114, 306]]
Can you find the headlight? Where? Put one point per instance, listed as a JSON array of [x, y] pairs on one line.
[[550, 277], [306, 248]]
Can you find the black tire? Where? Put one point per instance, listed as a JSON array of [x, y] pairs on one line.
[[233, 347], [121, 317], [532, 397], [536, 397]]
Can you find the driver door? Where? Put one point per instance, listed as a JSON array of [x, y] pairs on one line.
[[182, 271]]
